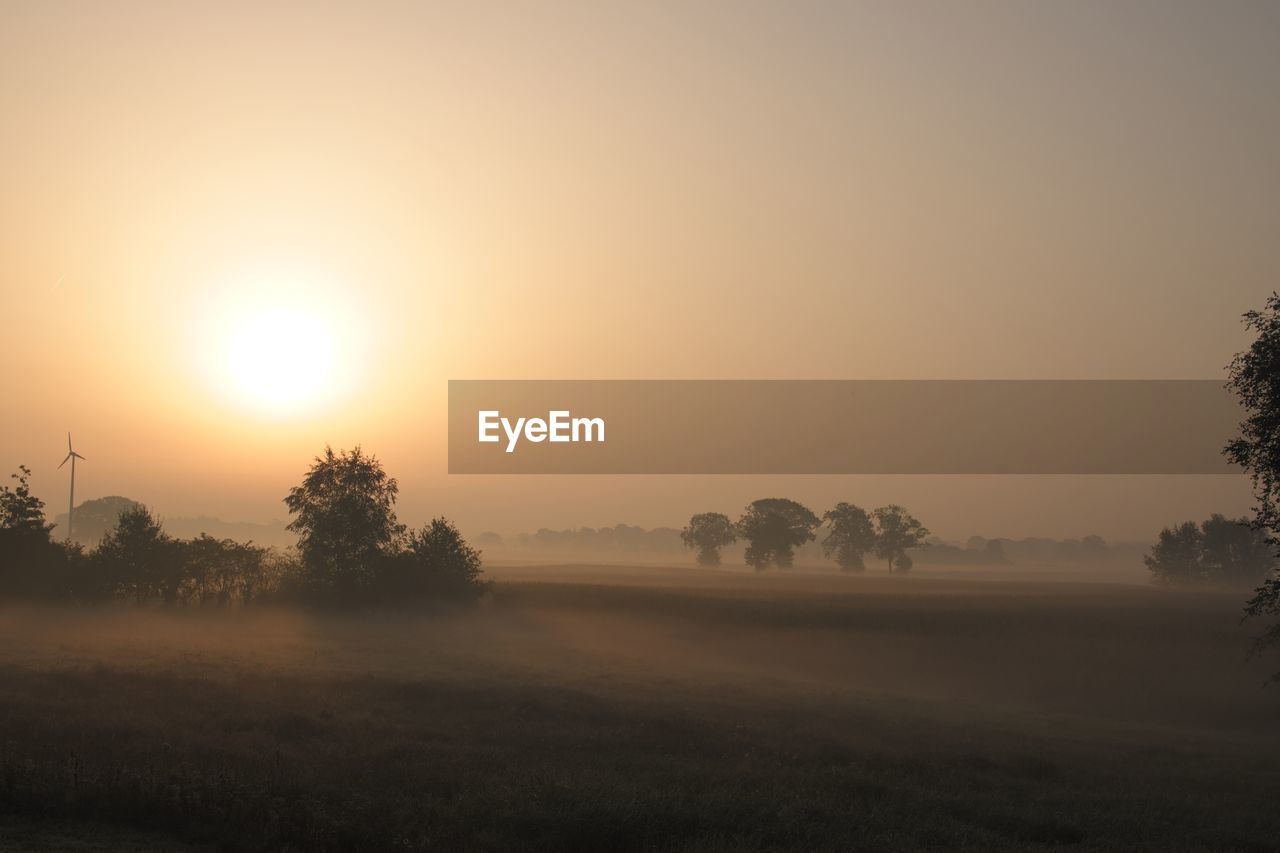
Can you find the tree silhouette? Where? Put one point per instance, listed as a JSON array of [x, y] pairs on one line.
[[434, 562], [773, 528], [20, 510], [1176, 556], [993, 551], [345, 520], [1254, 376], [31, 563], [897, 531], [138, 559], [1235, 551], [221, 571], [1219, 550], [852, 535], [707, 533]]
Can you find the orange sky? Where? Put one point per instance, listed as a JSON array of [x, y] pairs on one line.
[[584, 190]]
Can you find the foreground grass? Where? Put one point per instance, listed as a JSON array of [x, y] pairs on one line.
[[529, 727]]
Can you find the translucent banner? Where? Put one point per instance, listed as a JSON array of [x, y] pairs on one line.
[[839, 427]]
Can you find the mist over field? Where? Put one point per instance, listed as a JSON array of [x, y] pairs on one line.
[[641, 708]]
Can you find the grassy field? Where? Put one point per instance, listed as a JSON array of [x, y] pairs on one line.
[[647, 709]]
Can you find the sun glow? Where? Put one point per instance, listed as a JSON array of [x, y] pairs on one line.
[[278, 349]]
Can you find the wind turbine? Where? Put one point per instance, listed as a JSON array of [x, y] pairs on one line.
[[71, 508]]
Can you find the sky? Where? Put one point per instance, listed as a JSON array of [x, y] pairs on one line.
[[406, 193]]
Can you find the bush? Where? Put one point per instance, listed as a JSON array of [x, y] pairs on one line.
[[221, 571], [434, 563], [137, 559], [32, 565]]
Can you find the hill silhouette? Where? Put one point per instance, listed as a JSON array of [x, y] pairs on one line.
[[95, 517]]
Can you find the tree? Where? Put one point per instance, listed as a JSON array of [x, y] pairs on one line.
[[707, 533], [138, 559], [773, 528], [434, 563], [1254, 376], [993, 551], [221, 571], [30, 562], [345, 521], [20, 510], [897, 531], [852, 535], [1176, 556], [1220, 550], [1235, 551]]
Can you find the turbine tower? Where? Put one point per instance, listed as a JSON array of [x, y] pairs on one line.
[[71, 507]]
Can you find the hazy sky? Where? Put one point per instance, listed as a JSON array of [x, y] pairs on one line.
[[421, 191]]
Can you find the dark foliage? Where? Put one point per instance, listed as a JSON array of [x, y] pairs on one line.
[[32, 565], [1255, 379], [852, 536], [1218, 551], [434, 563], [346, 523], [707, 533], [138, 560], [1254, 376], [222, 571], [774, 528], [353, 549], [897, 531], [354, 552]]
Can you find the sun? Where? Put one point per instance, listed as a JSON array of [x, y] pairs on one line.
[[281, 359], [278, 351]]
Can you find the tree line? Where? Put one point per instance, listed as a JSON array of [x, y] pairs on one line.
[[774, 527], [1218, 550], [351, 550]]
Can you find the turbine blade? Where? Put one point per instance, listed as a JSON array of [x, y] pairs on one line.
[[64, 461], [76, 455], [68, 442]]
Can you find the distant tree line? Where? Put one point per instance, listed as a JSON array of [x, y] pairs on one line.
[[660, 543], [774, 527], [351, 551], [620, 538], [1219, 550]]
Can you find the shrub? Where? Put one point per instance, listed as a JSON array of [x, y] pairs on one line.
[[435, 563]]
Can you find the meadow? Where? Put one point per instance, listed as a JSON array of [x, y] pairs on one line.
[[649, 708]]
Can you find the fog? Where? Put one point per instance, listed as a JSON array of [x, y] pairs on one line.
[[1086, 649]]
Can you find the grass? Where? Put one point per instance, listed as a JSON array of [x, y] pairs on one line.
[[851, 714]]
